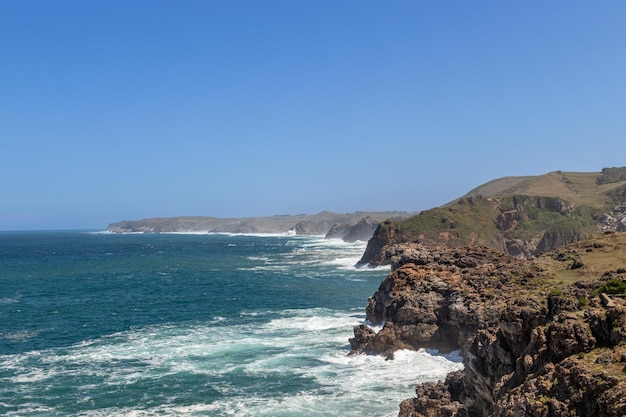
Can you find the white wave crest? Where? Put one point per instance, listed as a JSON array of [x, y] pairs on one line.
[[307, 347]]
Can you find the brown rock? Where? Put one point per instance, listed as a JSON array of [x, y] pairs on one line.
[[519, 347]]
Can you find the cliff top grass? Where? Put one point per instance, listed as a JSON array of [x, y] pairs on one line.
[[523, 216], [614, 368], [589, 189], [603, 256], [469, 221]]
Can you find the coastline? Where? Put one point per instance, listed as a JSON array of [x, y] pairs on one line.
[[515, 325], [157, 324]]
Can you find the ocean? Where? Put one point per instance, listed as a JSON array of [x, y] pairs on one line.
[[97, 324]]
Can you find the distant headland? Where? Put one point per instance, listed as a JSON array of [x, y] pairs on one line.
[[350, 227]]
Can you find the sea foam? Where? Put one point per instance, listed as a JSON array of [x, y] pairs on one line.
[[209, 326], [307, 347]]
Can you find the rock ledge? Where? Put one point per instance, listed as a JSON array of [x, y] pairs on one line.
[[530, 347]]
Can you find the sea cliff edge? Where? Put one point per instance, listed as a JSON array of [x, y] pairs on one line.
[[542, 337]]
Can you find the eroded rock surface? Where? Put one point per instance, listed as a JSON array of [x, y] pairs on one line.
[[529, 349]]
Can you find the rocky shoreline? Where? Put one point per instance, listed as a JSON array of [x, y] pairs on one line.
[[532, 344], [350, 227]]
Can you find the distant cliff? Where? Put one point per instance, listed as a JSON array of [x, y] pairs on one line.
[[522, 216], [362, 231], [538, 338], [353, 226]]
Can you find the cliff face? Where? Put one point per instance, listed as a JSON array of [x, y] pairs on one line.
[[362, 231], [522, 216], [384, 235], [522, 226], [532, 345]]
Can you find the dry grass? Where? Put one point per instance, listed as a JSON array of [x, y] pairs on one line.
[[614, 369], [601, 254], [581, 188], [496, 187]]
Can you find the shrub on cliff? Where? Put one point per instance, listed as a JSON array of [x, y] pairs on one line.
[[612, 286]]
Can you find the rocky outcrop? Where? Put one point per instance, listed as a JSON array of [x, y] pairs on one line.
[[362, 231], [436, 298], [614, 221], [567, 388], [529, 348], [308, 227], [384, 236]]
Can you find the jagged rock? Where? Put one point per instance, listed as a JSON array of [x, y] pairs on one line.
[[523, 349], [576, 264], [610, 328], [374, 254], [432, 400], [441, 293], [363, 336], [404, 253], [605, 359], [362, 230], [338, 231], [507, 220], [567, 338], [558, 237], [564, 389], [310, 228]]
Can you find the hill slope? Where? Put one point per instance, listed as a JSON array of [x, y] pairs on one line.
[[522, 216]]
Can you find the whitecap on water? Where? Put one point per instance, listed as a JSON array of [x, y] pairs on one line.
[[256, 363], [21, 335], [10, 300], [295, 364]]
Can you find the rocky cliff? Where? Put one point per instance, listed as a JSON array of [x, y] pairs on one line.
[[363, 230], [522, 216], [538, 338]]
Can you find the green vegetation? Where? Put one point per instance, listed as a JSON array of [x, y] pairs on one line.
[[469, 221], [612, 286], [599, 254], [556, 217], [523, 215], [555, 292], [617, 194], [610, 175], [582, 189]]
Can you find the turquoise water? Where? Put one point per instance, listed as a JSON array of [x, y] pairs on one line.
[[97, 324]]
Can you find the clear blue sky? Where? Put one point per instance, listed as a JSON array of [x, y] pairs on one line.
[[117, 110]]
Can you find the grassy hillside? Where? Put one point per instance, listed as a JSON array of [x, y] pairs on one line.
[[600, 257], [590, 189], [469, 220], [523, 216]]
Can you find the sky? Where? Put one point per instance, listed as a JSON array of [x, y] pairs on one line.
[[119, 110]]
